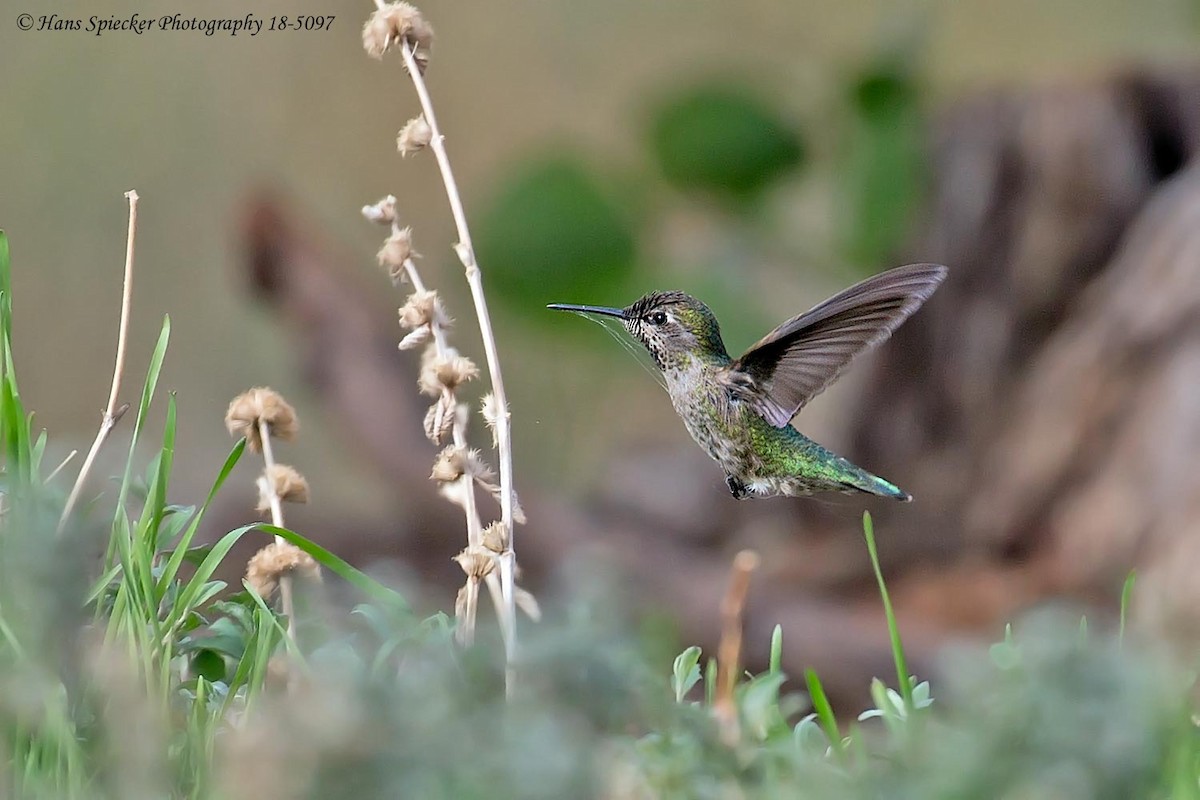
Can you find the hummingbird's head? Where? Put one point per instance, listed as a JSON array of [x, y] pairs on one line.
[[669, 324]]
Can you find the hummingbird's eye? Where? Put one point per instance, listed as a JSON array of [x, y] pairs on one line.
[[658, 318]]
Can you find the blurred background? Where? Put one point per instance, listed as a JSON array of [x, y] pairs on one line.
[[1044, 408]]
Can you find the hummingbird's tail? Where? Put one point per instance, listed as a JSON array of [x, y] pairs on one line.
[[822, 469], [873, 484]]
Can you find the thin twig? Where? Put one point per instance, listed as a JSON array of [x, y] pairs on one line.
[[267, 486], [466, 254], [112, 414], [62, 465], [729, 650]]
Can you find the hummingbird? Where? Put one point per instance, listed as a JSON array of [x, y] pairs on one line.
[[740, 410]]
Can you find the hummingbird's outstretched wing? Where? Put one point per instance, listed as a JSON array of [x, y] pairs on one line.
[[793, 363]]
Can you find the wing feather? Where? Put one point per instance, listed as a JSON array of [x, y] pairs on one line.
[[792, 364]]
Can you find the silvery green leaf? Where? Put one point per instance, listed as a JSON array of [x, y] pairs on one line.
[[686, 672]]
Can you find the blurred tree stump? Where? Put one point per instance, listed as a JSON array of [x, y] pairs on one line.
[[1044, 408]]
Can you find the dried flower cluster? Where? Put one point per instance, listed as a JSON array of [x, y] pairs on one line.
[[285, 482], [415, 135], [260, 406], [443, 370], [455, 461], [258, 415], [394, 23], [422, 310], [395, 253], [495, 537], [276, 561]]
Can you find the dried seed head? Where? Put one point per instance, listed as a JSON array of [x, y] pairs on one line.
[[445, 373], [485, 477], [287, 484], [518, 512], [383, 212], [414, 136], [453, 492], [274, 562], [439, 420], [416, 338], [476, 562], [261, 403], [422, 308], [396, 249], [290, 486], [495, 537], [450, 465], [479, 469], [394, 23], [490, 409]]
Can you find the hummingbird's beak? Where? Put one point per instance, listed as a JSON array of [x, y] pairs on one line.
[[603, 310]]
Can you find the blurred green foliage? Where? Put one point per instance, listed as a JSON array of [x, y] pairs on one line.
[[723, 140], [555, 233], [884, 168]]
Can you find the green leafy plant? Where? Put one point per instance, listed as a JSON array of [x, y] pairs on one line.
[[554, 231], [725, 141]]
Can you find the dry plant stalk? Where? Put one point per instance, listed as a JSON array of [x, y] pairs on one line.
[[401, 24], [112, 412], [729, 650], [61, 466], [457, 469], [257, 415]]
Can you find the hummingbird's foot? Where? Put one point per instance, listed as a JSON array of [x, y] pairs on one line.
[[739, 490]]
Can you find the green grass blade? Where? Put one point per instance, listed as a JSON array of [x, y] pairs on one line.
[[287, 640], [251, 669], [15, 440], [825, 716], [12, 417], [272, 634], [188, 597], [1126, 598], [39, 447], [776, 662], [145, 543], [152, 373], [893, 629], [369, 586], [162, 478], [710, 681], [177, 555], [5, 289], [102, 583]]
